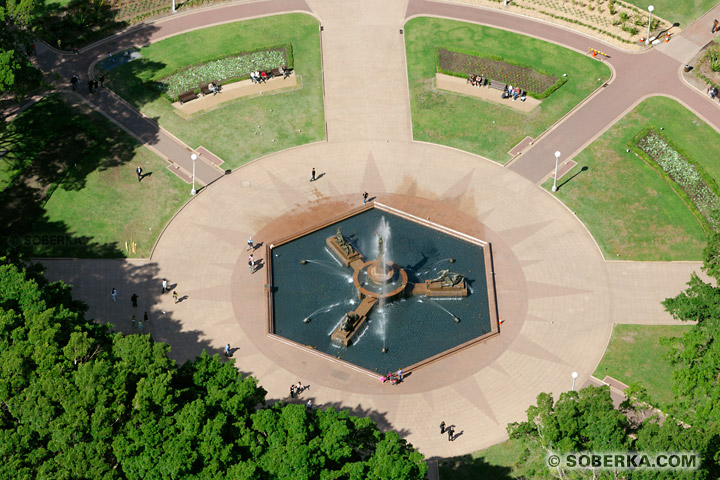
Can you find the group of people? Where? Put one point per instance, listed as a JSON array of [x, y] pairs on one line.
[[393, 378], [296, 390], [450, 431], [713, 92], [264, 75], [213, 87], [514, 92], [477, 80]]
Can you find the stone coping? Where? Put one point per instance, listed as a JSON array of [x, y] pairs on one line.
[[231, 91], [460, 85]]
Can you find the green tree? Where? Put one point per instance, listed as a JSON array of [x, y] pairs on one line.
[[78, 401], [17, 75]]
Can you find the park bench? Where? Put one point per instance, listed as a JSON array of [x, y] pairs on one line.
[[205, 89], [275, 72], [187, 96], [498, 85]]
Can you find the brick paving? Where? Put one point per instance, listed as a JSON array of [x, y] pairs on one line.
[[556, 294]]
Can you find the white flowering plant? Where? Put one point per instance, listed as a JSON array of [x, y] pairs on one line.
[[693, 181], [222, 70]]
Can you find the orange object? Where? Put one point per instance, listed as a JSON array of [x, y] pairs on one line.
[[594, 53], [667, 38]]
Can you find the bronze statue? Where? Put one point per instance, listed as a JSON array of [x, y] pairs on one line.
[[448, 278], [343, 243]]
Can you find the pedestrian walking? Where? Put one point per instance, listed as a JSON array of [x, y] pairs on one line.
[[309, 404], [139, 171], [442, 427], [102, 80], [312, 177], [292, 391], [251, 263], [227, 350], [74, 82], [299, 388], [134, 300], [164, 285], [90, 86], [251, 244], [95, 84], [400, 375], [76, 51], [451, 434], [113, 294], [715, 26], [175, 296], [134, 322], [365, 197], [145, 318], [140, 326], [110, 57]]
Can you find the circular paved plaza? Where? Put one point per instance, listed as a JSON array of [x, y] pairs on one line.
[[552, 287]]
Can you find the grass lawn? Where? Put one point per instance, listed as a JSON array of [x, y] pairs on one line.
[[627, 206], [635, 355], [684, 12], [480, 127], [232, 132], [69, 186], [492, 463]]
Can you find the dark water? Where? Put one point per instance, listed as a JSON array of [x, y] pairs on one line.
[[412, 329]]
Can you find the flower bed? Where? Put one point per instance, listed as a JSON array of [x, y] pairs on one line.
[[688, 176], [535, 83], [222, 70]]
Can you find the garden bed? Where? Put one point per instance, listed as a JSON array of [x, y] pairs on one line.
[[225, 70], [460, 64], [695, 183]]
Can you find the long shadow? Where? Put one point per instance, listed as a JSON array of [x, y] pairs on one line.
[[468, 467], [54, 146], [583, 169]]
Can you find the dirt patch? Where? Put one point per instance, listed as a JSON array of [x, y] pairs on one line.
[[614, 21], [515, 75]]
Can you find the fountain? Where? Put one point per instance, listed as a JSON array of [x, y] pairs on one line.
[[397, 290]]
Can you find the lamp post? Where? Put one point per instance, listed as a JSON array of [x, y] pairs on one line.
[[557, 157], [650, 9], [173, 6], [194, 157], [574, 376]]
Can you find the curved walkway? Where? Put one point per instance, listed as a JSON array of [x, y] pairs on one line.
[[557, 295]]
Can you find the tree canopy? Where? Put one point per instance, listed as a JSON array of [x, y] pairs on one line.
[[78, 401]]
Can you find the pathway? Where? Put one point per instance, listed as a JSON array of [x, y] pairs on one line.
[[558, 296]]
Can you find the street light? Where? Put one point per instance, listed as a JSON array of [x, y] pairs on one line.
[[574, 376], [650, 9], [557, 157], [194, 157]]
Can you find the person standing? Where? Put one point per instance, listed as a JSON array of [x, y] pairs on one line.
[[442, 427], [451, 434], [164, 285], [134, 322], [312, 177], [251, 263], [134, 300], [400, 375], [145, 318], [365, 197], [90, 85], [175, 296], [113, 294], [299, 388], [139, 171], [102, 80], [715, 26], [292, 391], [74, 82], [227, 350], [251, 244]]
